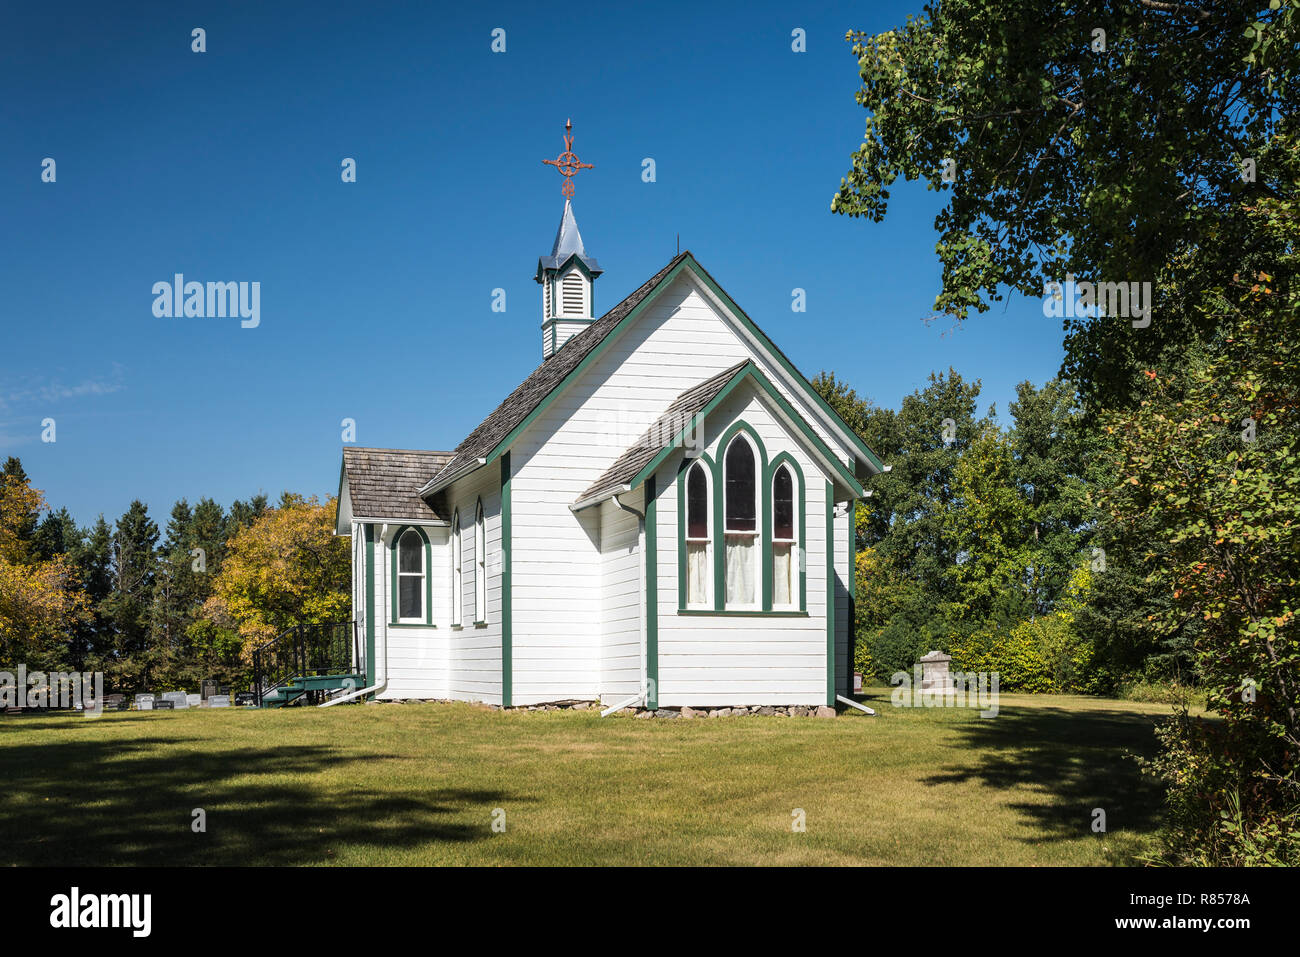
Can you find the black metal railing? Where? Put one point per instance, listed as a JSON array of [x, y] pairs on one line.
[[305, 650]]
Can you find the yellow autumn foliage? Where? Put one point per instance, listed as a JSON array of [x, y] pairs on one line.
[[287, 568], [38, 599]]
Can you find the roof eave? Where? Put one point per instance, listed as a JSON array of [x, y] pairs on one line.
[[599, 497], [431, 522], [751, 371], [438, 482]]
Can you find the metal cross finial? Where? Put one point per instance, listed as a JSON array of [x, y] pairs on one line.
[[567, 162]]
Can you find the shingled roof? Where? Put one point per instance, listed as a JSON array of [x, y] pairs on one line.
[[664, 431], [545, 378], [385, 483]]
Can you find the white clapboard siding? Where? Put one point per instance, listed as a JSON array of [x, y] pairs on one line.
[[621, 589], [474, 651], [557, 569], [744, 660], [559, 331], [417, 657]]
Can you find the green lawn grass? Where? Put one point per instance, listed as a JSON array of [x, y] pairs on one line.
[[418, 784]]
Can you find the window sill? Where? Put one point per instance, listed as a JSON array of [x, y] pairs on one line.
[[746, 613], [411, 624], [457, 627], [480, 624]]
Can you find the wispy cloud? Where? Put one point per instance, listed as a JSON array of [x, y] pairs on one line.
[[48, 390], [12, 440]]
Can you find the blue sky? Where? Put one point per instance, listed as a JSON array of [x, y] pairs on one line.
[[376, 295]]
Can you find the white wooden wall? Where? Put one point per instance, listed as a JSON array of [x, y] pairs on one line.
[[557, 570], [733, 659], [621, 588], [417, 656], [564, 331], [440, 661], [475, 650], [577, 629]]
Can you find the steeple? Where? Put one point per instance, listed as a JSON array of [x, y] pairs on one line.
[[568, 274]]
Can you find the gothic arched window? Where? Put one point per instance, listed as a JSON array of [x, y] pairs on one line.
[[480, 565], [457, 579], [410, 576], [699, 536], [785, 543], [740, 525]]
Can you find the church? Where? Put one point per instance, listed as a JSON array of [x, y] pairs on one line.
[[660, 515]]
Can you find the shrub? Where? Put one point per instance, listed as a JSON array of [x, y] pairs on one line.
[[1219, 813], [1156, 691], [1043, 656], [897, 647]]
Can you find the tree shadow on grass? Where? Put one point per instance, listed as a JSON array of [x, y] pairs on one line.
[[131, 802], [1081, 759]]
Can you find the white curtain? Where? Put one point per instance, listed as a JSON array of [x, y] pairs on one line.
[[782, 587], [740, 570], [697, 573]]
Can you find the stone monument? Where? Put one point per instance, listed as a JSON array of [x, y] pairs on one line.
[[934, 673]]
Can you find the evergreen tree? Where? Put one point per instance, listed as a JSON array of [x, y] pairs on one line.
[[173, 590], [24, 527], [57, 534], [243, 514], [92, 639], [128, 608], [922, 443], [1053, 451]]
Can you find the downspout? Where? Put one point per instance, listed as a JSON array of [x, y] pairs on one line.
[[373, 689], [628, 508], [380, 686], [639, 696]]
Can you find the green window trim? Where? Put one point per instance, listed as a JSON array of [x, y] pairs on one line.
[[716, 476], [711, 471], [750, 371], [428, 578], [720, 519], [741, 613], [801, 546]]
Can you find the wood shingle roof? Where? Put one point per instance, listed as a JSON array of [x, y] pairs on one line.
[[530, 393], [385, 483]]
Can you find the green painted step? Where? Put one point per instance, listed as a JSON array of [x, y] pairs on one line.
[[293, 689], [327, 682]]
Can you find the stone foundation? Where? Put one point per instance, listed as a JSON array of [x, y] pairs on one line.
[[766, 710]]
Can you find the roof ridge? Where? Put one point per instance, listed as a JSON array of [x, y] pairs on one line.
[[377, 448], [545, 378]]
